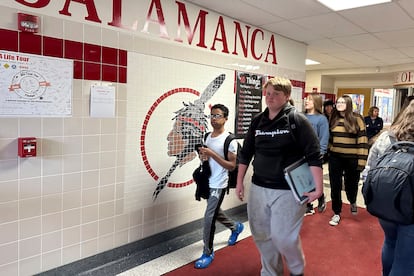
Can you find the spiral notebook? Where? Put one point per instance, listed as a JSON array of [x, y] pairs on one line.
[[300, 179]]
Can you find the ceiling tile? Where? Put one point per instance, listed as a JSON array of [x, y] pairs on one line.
[[384, 54], [379, 18], [291, 30], [326, 46], [409, 51], [361, 42], [402, 38], [290, 9], [329, 25]]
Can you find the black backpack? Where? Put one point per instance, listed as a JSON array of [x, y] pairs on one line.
[[232, 181], [388, 189]]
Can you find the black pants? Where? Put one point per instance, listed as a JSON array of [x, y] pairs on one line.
[[346, 168], [212, 214]]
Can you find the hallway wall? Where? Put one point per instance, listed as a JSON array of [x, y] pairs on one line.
[[90, 187]]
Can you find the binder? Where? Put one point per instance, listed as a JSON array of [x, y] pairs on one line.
[[300, 179]]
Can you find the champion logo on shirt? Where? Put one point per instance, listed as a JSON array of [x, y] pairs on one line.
[[272, 133]]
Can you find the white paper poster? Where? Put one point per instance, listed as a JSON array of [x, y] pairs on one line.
[[102, 101], [296, 95], [33, 85]]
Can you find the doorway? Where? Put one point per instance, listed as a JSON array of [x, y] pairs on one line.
[[401, 94]]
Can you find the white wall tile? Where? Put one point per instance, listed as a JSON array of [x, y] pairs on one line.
[[9, 232], [52, 241], [30, 227], [10, 128], [51, 259], [9, 191], [73, 30], [9, 211], [29, 247], [52, 27], [29, 188]]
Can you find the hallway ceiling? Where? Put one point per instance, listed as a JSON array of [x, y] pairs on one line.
[[377, 37]]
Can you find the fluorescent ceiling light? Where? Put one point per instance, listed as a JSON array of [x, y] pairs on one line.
[[338, 5], [311, 62]]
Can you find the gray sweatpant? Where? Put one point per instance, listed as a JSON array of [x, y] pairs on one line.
[[213, 213], [275, 220]]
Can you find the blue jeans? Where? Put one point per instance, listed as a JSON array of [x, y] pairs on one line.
[[398, 249]]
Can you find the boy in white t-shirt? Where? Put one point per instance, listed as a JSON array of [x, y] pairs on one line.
[[213, 152]]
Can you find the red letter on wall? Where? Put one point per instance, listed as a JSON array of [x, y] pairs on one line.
[[90, 6], [160, 21], [37, 4], [244, 43], [220, 26], [190, 33], [271, 50]]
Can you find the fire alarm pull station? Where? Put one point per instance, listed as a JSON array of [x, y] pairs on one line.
[[27, 146]]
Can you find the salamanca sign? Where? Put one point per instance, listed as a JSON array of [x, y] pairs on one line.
[[215, 32]]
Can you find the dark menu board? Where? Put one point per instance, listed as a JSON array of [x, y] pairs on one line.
[[249, 89]]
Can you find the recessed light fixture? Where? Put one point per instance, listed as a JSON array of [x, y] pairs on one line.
[[338, 5], [311, 62]]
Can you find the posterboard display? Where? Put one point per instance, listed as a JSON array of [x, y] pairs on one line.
[[33, 85], [102, 101], [249, 93]]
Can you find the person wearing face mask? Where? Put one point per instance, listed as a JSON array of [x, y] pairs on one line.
[[348, 155]]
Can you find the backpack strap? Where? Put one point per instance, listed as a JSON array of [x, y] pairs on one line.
[[206, 135], [292, 124], [227, 142]]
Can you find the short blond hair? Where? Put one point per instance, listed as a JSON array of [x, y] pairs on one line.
[[280, 84]]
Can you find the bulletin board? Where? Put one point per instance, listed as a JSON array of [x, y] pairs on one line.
[[248, 90], [33, 85]]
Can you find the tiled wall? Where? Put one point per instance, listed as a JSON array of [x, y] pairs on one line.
[[66, 203], [72, 200], [91, 61]]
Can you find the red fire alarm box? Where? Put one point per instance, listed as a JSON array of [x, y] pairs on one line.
[[28, 23], [27, 146]]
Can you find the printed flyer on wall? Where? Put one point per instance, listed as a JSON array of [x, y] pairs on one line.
[[33, 85]]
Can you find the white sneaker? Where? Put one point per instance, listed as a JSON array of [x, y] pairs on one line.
[[335, 220], [309, 210]]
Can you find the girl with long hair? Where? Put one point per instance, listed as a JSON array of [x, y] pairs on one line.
[[397, 250], [319, 122], [348, 154]]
